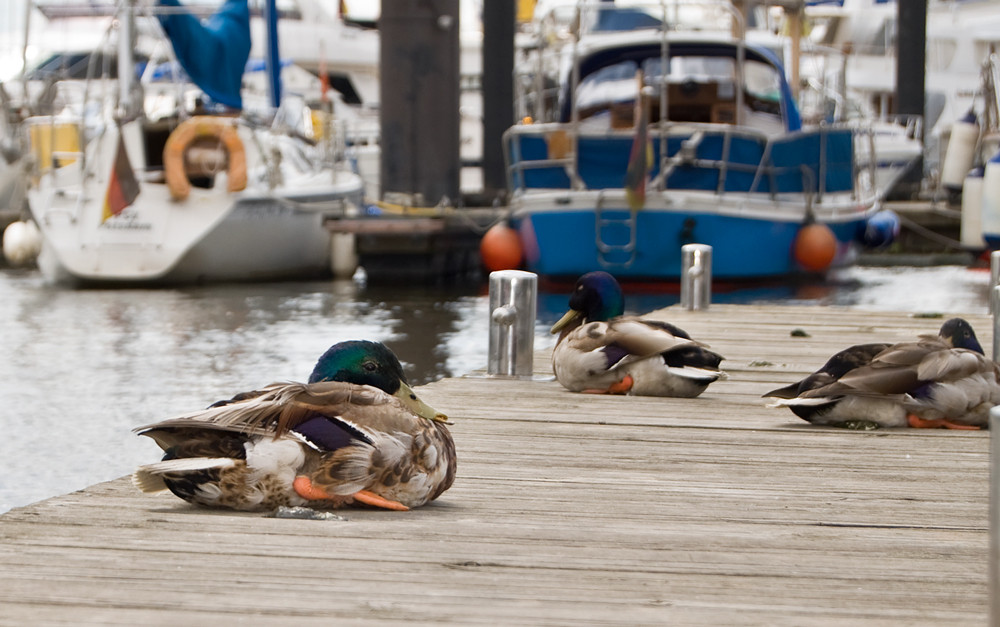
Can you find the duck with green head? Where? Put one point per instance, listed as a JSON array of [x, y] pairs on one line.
[[355, 433], [600, 350], [941, 380]]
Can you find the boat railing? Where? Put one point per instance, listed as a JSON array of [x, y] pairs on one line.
[[554, 54], [912, 124], [554, 76], [990, 90], [715, 158]]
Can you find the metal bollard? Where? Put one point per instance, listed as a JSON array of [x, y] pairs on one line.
[[994, 274], [994, 551], [696, 276], [513, 295], [995, 308]]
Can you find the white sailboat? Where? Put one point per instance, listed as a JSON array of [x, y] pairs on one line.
[[141, 186]]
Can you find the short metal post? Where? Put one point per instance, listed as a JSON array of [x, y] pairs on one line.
[[995, 308], [513, 296], [696, 276], [994, 274], [994, 552]]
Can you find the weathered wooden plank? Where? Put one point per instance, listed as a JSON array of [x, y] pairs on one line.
[[570, 508]]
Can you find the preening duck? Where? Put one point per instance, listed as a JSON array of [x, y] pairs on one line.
[[939, 380], [355, 433], [602, 351]]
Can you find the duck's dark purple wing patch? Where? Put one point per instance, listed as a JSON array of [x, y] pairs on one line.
[[613, 354], [923, 390], [330, 434]]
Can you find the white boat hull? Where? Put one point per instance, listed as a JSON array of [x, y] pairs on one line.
[[260, 233], [251, 240]]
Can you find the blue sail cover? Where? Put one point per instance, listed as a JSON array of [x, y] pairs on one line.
[[793, 120], [214, 52]]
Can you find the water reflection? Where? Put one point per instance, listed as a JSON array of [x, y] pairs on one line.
[[80, 369]]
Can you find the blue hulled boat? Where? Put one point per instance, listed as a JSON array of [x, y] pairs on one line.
[[660, 136]]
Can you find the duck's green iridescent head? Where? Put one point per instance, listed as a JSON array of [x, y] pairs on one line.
[[959, 332], [370, 363], [596, 297]]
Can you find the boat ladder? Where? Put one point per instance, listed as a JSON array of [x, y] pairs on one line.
[[608, 225]]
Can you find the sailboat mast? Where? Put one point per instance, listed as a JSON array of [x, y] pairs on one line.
[[24, 47], [126, 61], [272, 60]]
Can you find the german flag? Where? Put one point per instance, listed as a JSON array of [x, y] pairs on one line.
[[641, 156], [123, 187]]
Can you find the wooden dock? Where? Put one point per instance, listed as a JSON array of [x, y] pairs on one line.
[[428, 247], [570, 509]]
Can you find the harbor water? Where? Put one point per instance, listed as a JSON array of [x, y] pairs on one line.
[[81, 368]]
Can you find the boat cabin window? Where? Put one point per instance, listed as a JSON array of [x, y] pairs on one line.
[[699, 89], [609, 88], [78, 65]]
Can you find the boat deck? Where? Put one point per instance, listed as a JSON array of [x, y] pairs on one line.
[[570, 509]]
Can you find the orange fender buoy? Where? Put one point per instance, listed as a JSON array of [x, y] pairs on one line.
[[815, 247], [500, 248], [203, 127]]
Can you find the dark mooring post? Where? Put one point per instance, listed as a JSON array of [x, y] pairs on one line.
[[498, 90], [419, 101], [911, 53]]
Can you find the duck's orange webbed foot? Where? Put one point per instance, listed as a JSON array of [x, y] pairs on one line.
[[370, 498], [621, 387], [919, 423], [305, 488]]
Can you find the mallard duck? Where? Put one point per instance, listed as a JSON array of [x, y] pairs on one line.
[[356, 432], [940, 380], [602, 351]]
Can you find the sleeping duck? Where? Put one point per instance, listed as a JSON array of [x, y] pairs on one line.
[[356, 433], [602, 351], [937, 381]]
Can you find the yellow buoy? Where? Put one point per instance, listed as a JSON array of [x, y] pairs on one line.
[[500, 248], [815, 247]]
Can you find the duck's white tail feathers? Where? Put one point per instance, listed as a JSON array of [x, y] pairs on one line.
[[801, 402], [149, 478], [698, 374]]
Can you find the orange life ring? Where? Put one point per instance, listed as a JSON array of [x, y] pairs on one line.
[[203, 127]]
